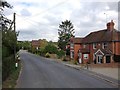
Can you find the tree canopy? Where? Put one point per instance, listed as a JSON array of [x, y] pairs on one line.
[[65, 32]]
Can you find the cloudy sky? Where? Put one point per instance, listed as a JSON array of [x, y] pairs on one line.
[[40, 19]]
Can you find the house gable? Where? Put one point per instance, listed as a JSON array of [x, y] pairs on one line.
[[99, 52]]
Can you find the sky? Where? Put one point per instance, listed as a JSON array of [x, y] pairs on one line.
[[40, 19]]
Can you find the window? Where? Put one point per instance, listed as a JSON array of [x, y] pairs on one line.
[[84, 46], [72, 54], [104, 45], [85, 56], [71, 45], [94, 45]]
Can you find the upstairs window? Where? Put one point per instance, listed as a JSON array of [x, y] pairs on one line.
[[104, 45], [84, 45], [71, 45], [94, 45]]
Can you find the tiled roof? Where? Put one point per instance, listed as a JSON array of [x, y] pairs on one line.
[[35, 43], [84, 50], [102, 36], [105, 51], [76, 40]]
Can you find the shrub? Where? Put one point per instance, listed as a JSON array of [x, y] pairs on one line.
[[42, 51], [75, 62], [51, 49], [8, 66], [47, 55], [64, 59], [60, 54]]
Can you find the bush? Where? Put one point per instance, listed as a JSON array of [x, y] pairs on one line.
[[117, 58], [64, 59], [47, 55], [8, 66], [51, 49], [60, 54], [75, 62], [42, 51]]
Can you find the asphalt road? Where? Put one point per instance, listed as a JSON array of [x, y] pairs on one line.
[[38, 72]]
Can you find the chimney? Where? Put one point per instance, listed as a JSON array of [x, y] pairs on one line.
[[110, 25]]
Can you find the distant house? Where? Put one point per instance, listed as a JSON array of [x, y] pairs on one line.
[[75, 45], [102, 46], [35, 44]]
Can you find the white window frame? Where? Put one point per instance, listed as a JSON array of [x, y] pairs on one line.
[[104, 45], [94, 45], [71, 45], [71, 54], [85, 56], [84, 45]]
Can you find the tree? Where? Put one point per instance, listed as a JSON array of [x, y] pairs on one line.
[[65, 32], [9, 39], [51, 48], [8, 35]]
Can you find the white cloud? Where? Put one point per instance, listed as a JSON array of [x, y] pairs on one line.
[[37, 19]]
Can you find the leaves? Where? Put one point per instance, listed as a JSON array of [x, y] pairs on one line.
[[9, 36], [65, 31], [5, 4]]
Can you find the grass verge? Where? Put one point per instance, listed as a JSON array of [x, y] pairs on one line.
[[11, 81]]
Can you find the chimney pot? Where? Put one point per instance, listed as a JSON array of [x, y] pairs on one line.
[[110, 25]]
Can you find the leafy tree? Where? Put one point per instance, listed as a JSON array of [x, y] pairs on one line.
[[9, 41], [43, 43], [60, 53], [65, 31], [50, 48]]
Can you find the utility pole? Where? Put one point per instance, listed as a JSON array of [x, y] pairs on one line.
[[14, 19], [16, 60]]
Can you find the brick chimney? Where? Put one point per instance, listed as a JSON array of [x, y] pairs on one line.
[[110, 25]]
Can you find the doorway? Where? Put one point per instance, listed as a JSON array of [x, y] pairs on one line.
[[107, 59], [99, 59]]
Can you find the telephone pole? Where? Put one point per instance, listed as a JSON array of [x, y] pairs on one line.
[[14, 19]]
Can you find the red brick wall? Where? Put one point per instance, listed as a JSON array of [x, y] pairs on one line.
[[76, 48], [117, 48], [85, 60], [92, 51]]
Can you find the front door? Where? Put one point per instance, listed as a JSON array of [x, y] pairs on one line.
[[99, 59], [107, 59]]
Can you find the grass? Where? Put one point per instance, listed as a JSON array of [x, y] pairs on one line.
[[11, 81]]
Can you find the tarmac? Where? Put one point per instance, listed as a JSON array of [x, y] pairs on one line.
[[85, 70]]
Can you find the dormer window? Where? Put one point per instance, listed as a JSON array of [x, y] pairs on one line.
[[94, 45], [104, 45]]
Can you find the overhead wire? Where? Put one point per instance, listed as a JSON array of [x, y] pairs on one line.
[[35, 23], [43, 12]]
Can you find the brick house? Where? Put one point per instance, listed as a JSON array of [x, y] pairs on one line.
[[75, 45], [102, 46], [35, 44]]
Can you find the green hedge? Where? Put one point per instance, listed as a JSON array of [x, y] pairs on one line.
[[60, 54], [8, 66]]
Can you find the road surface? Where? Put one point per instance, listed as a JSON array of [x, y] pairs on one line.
[[38, 72]]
